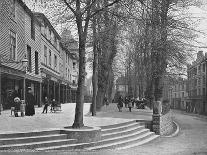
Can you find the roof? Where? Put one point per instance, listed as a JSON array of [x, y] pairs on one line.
[[27, 10], [46, 20]]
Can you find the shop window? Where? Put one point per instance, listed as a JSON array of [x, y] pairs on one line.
[[36, 63], [12, 45], [29, 68]]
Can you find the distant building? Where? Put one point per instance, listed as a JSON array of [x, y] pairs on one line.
[[178, 94], [122, 86], [197, 84]]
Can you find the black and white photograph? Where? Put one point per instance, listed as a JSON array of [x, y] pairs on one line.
[[103, 77]]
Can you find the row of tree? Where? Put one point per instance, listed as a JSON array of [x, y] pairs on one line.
[[150, 33]]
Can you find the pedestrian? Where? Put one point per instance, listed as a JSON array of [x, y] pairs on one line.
[[46, 104], [120, 104], [53, 104], [130, 105], [126, 102], [17, 104], [30, 102], [106, 102]]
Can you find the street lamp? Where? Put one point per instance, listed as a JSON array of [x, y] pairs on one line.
[[24, 63]]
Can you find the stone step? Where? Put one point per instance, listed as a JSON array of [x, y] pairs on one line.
[[98, 143], [119, 128], [29, 134], [122, 132], [118, 125], [147, 140], [19, 140], [123, 143], [34, 145]]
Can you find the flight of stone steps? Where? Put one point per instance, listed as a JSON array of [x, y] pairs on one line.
[[117, 136]]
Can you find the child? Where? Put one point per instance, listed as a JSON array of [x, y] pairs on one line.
[[130, 105], [17, 103]]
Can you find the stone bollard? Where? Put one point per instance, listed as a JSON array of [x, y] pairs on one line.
[[157, 107]]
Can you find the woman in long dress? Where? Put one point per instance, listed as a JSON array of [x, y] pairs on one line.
[[30, 102]]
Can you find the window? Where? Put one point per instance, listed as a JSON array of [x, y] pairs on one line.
[[45, 55], [49, 35], [12, 45], [204, 67], [32, 28], [55, 61], [29, 68], [50, 57], [55, 42], [36, 63], [12, 8], [68, 73], [182, 94], [204, 91], [74, 65]]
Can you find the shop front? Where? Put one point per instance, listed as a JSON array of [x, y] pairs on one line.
[[12, 85], [51, 86]]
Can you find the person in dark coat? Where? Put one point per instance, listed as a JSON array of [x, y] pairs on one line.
[[30, 102], [120, 104], [106, 102], [46, 105]]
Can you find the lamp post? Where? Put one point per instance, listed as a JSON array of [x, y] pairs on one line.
[[24, 62]]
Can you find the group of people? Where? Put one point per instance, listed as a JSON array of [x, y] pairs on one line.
[[130, 102], [29, 107], [46, 104]]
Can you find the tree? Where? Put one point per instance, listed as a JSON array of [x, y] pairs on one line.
[[83, 13]]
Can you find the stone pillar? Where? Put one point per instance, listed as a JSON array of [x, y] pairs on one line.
[[63, 93], [54, 90], [40, 94], [59, 92], [156, 123], [48, 89], [24, 89], [157, 110]]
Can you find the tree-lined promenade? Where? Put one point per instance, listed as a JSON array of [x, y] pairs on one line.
[[142, 39]]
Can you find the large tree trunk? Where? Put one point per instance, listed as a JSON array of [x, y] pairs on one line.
[[95, 67], [82, 33]]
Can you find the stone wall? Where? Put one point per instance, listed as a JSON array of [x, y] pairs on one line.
[[162, 124]]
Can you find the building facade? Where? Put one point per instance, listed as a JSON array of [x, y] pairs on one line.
[[13, 17], [51, 70], [178, 94], [197, 84]]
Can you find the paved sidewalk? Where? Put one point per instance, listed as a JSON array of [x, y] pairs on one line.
[[109, 115]]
